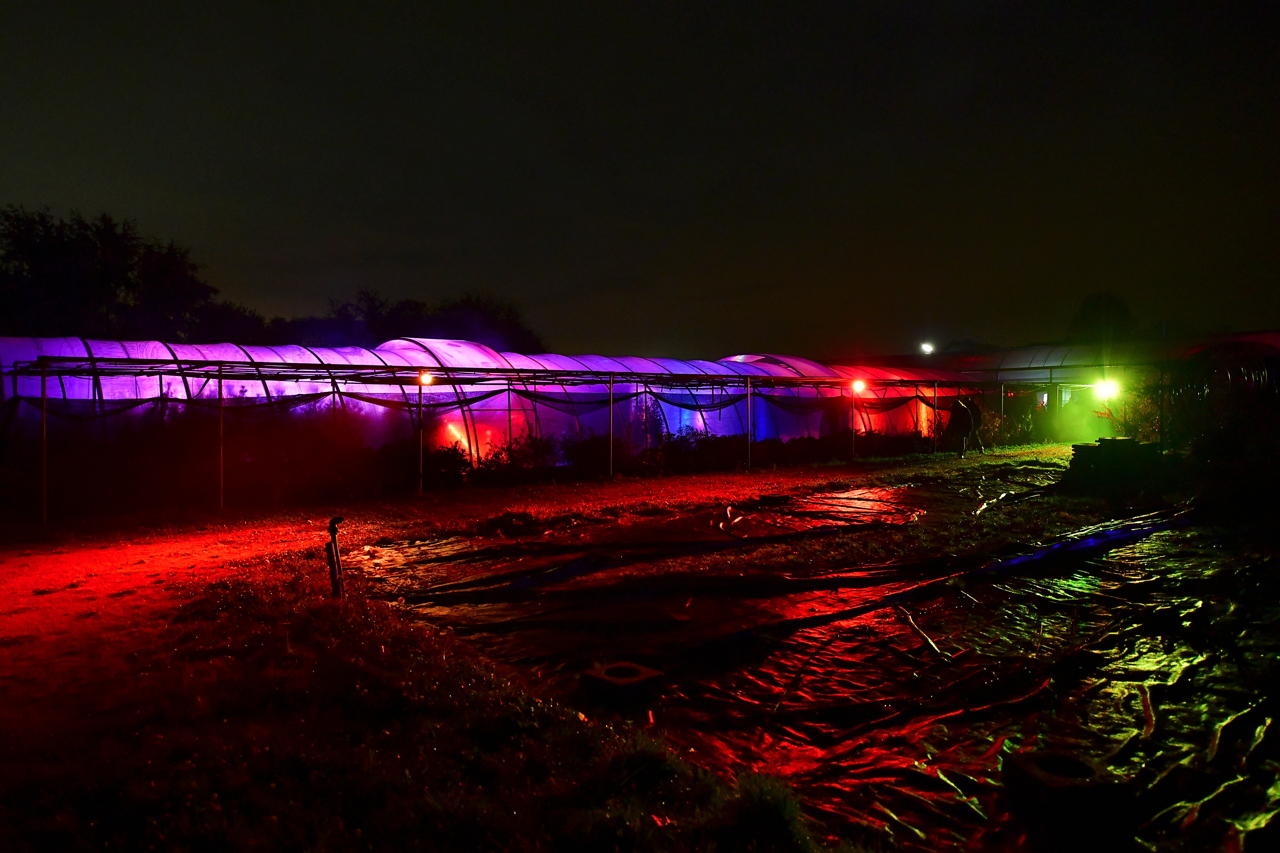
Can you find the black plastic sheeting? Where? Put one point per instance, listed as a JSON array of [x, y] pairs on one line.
[[1114, 690]]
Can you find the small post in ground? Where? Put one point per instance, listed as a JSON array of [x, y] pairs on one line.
[[334, 558]]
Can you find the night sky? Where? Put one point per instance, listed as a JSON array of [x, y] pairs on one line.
[[682, 179]]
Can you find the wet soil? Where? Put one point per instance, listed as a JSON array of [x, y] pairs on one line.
[[1107, 691], [86, 603], [1120, 698]]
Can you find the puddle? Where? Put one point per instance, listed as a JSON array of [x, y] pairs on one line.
[[784, 512]]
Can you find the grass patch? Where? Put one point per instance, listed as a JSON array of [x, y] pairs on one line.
[[270, 718]]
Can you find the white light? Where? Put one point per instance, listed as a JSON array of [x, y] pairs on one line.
[[926, 348], [859, 386], [1106, 389], [425, 378]]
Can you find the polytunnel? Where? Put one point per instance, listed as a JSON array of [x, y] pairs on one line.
[[441, 393]]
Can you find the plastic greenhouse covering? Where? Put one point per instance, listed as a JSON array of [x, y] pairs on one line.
[[1086, 363], [478, 398]]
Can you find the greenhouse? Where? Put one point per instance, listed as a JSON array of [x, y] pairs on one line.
[[469, 394], [60, 394]]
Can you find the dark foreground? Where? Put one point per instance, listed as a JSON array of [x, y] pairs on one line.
[[200, 693]]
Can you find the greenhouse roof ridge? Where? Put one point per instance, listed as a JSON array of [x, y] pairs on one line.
[[405, 361]]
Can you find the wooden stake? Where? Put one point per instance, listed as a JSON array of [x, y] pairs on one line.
[[334, 557]]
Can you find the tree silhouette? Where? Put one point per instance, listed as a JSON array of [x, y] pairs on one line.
[[96, 278], [226, 322], [1103, 318], [99, 278], [484, 319], [370, 319]]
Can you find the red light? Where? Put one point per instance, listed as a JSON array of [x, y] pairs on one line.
[[859, 386]]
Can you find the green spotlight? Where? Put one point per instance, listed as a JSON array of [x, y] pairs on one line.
[[1106, 389]]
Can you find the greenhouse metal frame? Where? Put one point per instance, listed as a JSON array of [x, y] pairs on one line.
[[496, 396]]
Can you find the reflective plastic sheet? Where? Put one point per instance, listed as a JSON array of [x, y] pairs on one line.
[[1114, 691]]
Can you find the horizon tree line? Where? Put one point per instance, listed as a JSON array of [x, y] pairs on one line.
[[100, 278]]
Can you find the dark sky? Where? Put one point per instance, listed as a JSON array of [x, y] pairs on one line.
[[684, 179]]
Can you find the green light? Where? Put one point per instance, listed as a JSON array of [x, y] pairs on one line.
[[1106, 389]]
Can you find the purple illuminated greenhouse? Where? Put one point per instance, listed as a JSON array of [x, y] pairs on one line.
[[476, 398]]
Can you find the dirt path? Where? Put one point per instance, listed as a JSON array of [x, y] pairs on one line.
[[76, 620]]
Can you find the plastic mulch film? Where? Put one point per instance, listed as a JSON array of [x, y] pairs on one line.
[[1111, 691]]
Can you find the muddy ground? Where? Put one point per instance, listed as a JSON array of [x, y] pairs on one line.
[[861, 644]]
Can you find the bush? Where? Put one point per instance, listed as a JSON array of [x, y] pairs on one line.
[[589, 457]]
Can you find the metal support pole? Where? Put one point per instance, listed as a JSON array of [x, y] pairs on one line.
[[222, 452], [1124, 414], [471, 434], [44, 446], [644, 415], [751, 424], [853, 426], [1004, 430], [511, 437], [1052, 406], [1160, 423], [934, 428], [611, 426], [422, 428]]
